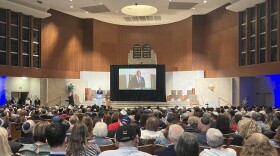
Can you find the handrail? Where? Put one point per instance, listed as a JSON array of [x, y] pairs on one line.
[[55, 100], [224, 101]]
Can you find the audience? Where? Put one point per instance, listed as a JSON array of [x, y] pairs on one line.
[[127, 141], [223, 124], [78, 144], [258, 145], [215, 141], [187, 145], [88, 122], [276, 140], [56, 138], [100, 132], [40, 147], [175, 131]]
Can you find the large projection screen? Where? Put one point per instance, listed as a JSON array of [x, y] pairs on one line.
[[137, 83]]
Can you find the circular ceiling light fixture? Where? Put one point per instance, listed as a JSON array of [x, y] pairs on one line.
[[139, 10]]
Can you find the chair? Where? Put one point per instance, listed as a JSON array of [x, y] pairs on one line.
[[15, 134], [238, 149], [148, 149], [278, 150], [158, 146], [201, 148], [226, 138], [107, 147], [151, 141]]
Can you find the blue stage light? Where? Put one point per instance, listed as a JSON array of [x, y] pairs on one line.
[[275, 79], [2, 90]]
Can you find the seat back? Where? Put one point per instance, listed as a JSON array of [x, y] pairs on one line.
[[158, 146], [15, 133], [227, 138], [148, 149], [107, 147], [238, 149], [201, 148]]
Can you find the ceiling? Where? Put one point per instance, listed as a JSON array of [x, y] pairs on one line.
[[168, 11]]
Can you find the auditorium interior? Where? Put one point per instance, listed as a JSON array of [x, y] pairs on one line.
[[215, 52]]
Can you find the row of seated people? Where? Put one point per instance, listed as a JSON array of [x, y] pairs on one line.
[[146, 122]]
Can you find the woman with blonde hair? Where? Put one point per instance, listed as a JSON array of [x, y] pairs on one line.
[[88, 122], [258, 145], [276, 139], [78, 144], [245, 128], [5, 148]]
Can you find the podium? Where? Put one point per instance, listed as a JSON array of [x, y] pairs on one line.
[[99, 99]]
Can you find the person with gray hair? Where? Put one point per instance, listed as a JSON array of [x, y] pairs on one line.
[[257, 117], [215, 141], [187, 145], [100, 132], [174, 133]]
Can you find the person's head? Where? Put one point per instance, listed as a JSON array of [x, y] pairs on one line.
[[88, 122], [237, 118], [204, 123], [28, 126], [223, 122], [258, 145], [214, 138], [187, 145], [56, 135], [78, 139], [125, 120], [152, 124], [193, 120], [107, 119], [39, 131], [174, 132], [100, 129], [143, 119], [256, 116], [248, 126], [126, 136], [5, 147], [138, 73], [115, 117]]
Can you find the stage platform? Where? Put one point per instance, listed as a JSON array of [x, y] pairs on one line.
[[133, 104]]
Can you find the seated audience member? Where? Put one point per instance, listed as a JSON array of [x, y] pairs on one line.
[[143, 119], [56, 138], [5, 148], [36, 115], [258, 145], [276, 139], [175, 131], [107, 119], [88, 122], [65, 115], [125, 120], [100, 132], [203, 126], [115, 122], [44, 114], [73, 120], [214, 118], [192, 124], [245, 128], [78, 144], [223, 124], [215, 141], [237, 117], [151, 131], [40, 147], [127, 141], [27, 129], [15, 146], [257, 117], [187, 145]]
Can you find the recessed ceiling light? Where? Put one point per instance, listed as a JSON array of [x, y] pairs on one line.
[[24, 78], [193, 8], [170, 0], [71, 6], [117, 11], [100, 3], [71, 0], [205, 1], [86, 12], [139, 10]]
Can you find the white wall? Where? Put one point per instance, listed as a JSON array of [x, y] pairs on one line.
[[222, 90], [19, 84], [95, 80]]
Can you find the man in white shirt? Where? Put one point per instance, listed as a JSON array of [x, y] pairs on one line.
[[126, 140]]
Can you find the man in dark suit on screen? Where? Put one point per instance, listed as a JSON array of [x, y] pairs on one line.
[[137, 81]]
